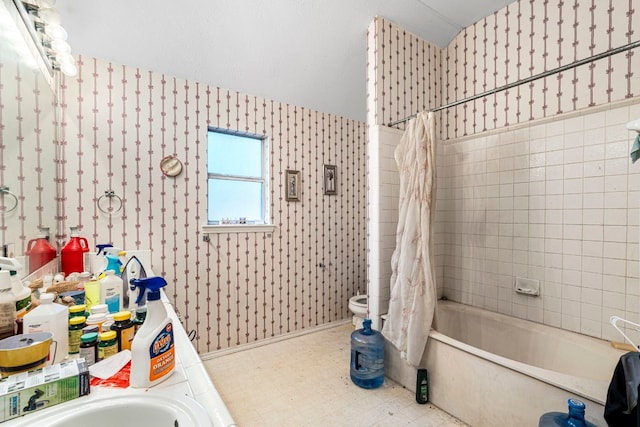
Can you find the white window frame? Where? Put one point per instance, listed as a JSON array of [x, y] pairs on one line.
[[266, 226]]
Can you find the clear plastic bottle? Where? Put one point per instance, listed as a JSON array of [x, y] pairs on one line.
[[367, 357], [574, 418]]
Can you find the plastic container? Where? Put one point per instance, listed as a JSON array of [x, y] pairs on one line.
[[7, 306], [89, 347], [72, 254], [367, 357], [125, 329], [91, 294], [574, 417], [75, 333], [111, 291], [97, 320], [40, 252], [153, 356], [50, 317], [108, 345], [422, 386], [21, 293]]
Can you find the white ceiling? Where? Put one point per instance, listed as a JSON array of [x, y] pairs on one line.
[[304, 52]]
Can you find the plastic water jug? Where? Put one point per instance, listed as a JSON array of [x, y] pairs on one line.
[[575, 417], [40, 252], [367, 357], [72, 255]]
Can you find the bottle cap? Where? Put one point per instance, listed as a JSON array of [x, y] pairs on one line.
[[107, 336], [78, 320], [78, 308], [121, 316], [100, 308], [91, 336]]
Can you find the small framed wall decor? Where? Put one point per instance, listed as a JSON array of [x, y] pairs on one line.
[[330, 179], [292, 186]]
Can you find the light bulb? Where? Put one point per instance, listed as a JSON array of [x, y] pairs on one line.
[[55, 31], [60, 46], [49, 16], [69, 69]]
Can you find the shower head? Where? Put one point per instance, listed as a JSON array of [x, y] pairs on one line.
[[634, 125]]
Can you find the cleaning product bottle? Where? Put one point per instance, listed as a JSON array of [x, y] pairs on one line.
[[113, 263], [575, 417], [7, 306], [111, 291], [72, 254], [91, 293], [40, 251], [21, 293], [99, 262], [50, 317], [153, 356]]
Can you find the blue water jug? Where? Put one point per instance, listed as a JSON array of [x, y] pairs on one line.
[[575, 417], [367, 357]]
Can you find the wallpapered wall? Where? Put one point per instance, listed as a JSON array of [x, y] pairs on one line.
[[535, 181], [120, 121]]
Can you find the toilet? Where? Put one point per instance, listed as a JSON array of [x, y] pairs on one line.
[[358, 305]]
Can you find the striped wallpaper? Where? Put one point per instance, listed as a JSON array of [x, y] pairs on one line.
[[238, 287]]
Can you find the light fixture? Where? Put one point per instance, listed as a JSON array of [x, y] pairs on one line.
[[43, 23]]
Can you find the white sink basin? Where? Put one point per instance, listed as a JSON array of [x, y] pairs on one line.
[[123, 410]]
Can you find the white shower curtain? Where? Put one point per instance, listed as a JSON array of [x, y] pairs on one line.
[[413, 294]]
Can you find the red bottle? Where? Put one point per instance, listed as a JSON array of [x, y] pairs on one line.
[[40, 252], [72, 255]]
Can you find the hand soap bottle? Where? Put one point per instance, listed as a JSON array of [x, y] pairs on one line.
[[153, 356]]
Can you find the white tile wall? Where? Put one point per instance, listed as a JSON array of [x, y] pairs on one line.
[[557, 201]]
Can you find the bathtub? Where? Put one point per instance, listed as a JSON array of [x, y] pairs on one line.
[[488, 369]]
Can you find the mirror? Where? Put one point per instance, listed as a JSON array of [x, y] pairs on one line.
[[28, 123]]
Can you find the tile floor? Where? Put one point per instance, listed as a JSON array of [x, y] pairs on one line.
[[304, 381]]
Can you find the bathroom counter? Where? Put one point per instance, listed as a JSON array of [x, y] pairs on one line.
[[189, 378]]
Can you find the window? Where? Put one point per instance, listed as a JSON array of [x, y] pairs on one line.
[[236, 171]]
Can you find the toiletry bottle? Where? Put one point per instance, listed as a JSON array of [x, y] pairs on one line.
[[574, 418], [21, 293], [72, 254], [50, 317], [422, 386], [39, 250], [111, 291], [7, 306], [153, 356], [92, 293]]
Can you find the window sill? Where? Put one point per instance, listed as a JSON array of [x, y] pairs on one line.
[[238, 228]]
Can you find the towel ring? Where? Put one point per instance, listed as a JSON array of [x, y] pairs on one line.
[[109, 195], [4, 191]]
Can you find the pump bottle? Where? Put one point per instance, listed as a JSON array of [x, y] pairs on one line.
[[153, 356]]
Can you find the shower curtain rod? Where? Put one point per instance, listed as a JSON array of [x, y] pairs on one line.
[[548, 73]]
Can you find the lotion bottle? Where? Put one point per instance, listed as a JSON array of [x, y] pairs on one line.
[[153, 356]]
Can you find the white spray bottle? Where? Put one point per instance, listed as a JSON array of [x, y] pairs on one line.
[[153, 357]]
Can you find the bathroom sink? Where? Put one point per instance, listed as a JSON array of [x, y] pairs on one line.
[[123, 410]]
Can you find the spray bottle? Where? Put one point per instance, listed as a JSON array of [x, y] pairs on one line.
[[99, 262], [153, 357], [21, 293]]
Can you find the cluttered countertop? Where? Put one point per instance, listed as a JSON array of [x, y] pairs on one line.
[[185, 397]]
